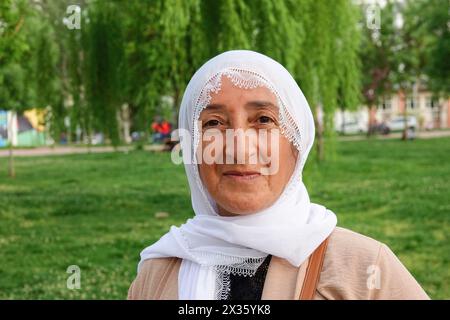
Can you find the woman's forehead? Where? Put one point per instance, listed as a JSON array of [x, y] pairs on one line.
[[232, 95], [249, 105]]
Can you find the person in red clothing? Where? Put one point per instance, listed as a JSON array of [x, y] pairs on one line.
[[156, 128], [161, 129], [165, 129]]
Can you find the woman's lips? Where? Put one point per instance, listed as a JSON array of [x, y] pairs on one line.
[[242, 175]]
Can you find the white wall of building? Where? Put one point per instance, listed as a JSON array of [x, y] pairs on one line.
[[423, 107]]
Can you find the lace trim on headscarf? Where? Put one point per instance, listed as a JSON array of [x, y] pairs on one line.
[[246, 268], [226, 265]]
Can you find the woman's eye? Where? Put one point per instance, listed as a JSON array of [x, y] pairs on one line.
[[265, 119], [212, 123]]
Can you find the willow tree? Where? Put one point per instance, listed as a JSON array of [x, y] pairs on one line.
[[104, 66], [80, 115], [48, 79], [317, 41], [52, 64], [165, 43], [177, 65], [345, 60], [327, 66], [16, 89], [278, 31], [143, 56], [137, 53]]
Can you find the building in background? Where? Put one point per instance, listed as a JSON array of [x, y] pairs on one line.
[[429, 113], [25, 130], [3, 128]]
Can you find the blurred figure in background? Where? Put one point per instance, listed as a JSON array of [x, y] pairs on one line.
[[165, 130], [161, 130], [156, 129]]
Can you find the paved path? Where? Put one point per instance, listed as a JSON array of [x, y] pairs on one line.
[[61, 150], [397, 135]]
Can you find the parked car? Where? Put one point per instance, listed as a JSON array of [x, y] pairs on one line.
[[381, 128], [398, 123], [351, 127]]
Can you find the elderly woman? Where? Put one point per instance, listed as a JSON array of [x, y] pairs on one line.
[[255, 234]]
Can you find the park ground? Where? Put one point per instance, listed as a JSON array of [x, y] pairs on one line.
[[99, 210]]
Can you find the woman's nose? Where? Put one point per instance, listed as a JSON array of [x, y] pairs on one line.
[[241, 146]]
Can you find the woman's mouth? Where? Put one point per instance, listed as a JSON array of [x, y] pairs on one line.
[[242, 175]]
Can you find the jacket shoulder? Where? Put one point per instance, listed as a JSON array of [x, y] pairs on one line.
[[359, 267], [348, 257], [353, 245], [156, 279]]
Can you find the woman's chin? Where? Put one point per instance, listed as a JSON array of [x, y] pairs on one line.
[[241, 205], [247, 187]]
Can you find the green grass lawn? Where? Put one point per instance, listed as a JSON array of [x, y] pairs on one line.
[[97, 211]]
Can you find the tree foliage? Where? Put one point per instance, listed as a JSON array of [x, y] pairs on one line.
[[140, 53]]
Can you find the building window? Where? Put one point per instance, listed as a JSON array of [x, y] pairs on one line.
[[412, 103], [430, 103], [386, 104]]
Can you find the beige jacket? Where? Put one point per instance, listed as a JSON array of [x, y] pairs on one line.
[[355, 267]]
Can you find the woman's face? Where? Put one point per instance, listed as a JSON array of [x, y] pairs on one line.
[[253, 171]]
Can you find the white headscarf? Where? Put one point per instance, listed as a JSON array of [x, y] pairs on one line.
[[213, 246]]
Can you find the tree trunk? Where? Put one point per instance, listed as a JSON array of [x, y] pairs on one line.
[[439, 115], [371, 121], [414, 97], [11, 169], [125, 123], [89, 139], [320, 148], [318, 119], [176, 102], [405, 121]]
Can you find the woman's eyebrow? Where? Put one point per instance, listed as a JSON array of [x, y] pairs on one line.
[[253, 103], [214, 106], [260, 103]]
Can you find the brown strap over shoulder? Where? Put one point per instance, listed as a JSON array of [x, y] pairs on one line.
[[313, 272]]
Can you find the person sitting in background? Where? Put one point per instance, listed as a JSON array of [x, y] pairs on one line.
[[156, 129], [165, 129]]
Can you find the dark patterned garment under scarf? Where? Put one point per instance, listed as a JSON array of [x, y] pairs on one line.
[[249, 288]]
